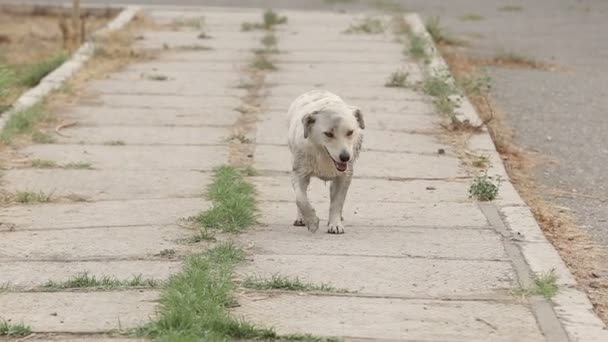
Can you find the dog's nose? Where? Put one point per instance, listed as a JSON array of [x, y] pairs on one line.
[[344, 156]]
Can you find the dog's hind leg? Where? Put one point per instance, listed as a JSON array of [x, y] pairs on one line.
[[305, 211], [337, 194]]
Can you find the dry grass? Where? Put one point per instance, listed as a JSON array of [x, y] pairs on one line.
[[576, 248]]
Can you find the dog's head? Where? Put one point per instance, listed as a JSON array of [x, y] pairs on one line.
[[335, 131]]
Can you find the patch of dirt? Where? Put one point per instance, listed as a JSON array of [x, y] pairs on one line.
[[587, 262]]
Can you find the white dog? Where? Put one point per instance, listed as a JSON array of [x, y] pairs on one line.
[[325, 137]]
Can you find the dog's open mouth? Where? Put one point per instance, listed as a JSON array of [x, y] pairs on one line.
[[339, 165]]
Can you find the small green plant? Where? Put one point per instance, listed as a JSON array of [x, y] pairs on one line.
[[544, 285], [33, 74], [40, 137], [278, 282], [269, 20], [397, 79], [471, 17], [438, 86], [21, 122], [233, 202], [261, 62], [367, 25], [417, 47], [7, 79], [194, 304], [85, 280], [433, 26], [204, 234], [44, 164], [30, 197], [157, 77], [115, 143], [484, 187], [475, 85], [511, 8], [12, 330], [78, 166]]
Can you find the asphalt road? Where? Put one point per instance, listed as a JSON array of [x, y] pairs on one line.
[[561, 114]]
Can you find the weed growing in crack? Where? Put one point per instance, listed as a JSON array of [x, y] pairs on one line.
[[31, 197], [233, 202], [484, 187], [78, 166], [261, 62], [417, 47], [115, 143], [13, 330], [278, 282], [475, 85], [397, 79], [270, 19], [368, 25], [85, 280], [544, 285]]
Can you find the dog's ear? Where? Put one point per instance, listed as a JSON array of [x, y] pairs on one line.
[[359, 116], [308, 120]]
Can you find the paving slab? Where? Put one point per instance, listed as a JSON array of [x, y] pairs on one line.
[[131, 116], [378, 164], [403, 277], [145, 135], [86, 244], [383, 214], [89, 312], [279, 188], [103, 185], [414, 242], [100, 214], [32, 274], [165, 101], [133, 157], [349, 92], [392, 319], [223, 73], [173, 85]]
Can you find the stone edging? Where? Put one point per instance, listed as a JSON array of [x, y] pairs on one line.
[[571, 305], [59, 76]]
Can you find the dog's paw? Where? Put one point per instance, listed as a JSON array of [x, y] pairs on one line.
[[313, 224], [333, 228], [299, 223]]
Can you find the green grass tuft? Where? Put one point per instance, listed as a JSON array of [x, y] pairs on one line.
[[367, 25], [78, 166], [21, 122], [544, 285], [270, 19], [7, 80], [33, 74], [193, 307], [417, 47], [115, 143], [261, 62], [278, 282], [11, 330], [397, 79], [485, 188], [44, 164], [471, 17], [31, 197], [269, 40], [84, 280], [233, 202]]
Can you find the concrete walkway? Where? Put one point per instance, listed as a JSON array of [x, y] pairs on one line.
[[421, 260]]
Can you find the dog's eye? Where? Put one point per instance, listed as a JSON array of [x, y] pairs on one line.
[[329, 134], [349, 133]]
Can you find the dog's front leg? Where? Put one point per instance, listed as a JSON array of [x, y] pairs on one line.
[[337, 195], [305, 211]]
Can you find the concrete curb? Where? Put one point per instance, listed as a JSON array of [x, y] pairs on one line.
[[465, 113], [571, 305], [65, 71]]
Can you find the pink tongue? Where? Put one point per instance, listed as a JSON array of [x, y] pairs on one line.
[[341, 166]]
